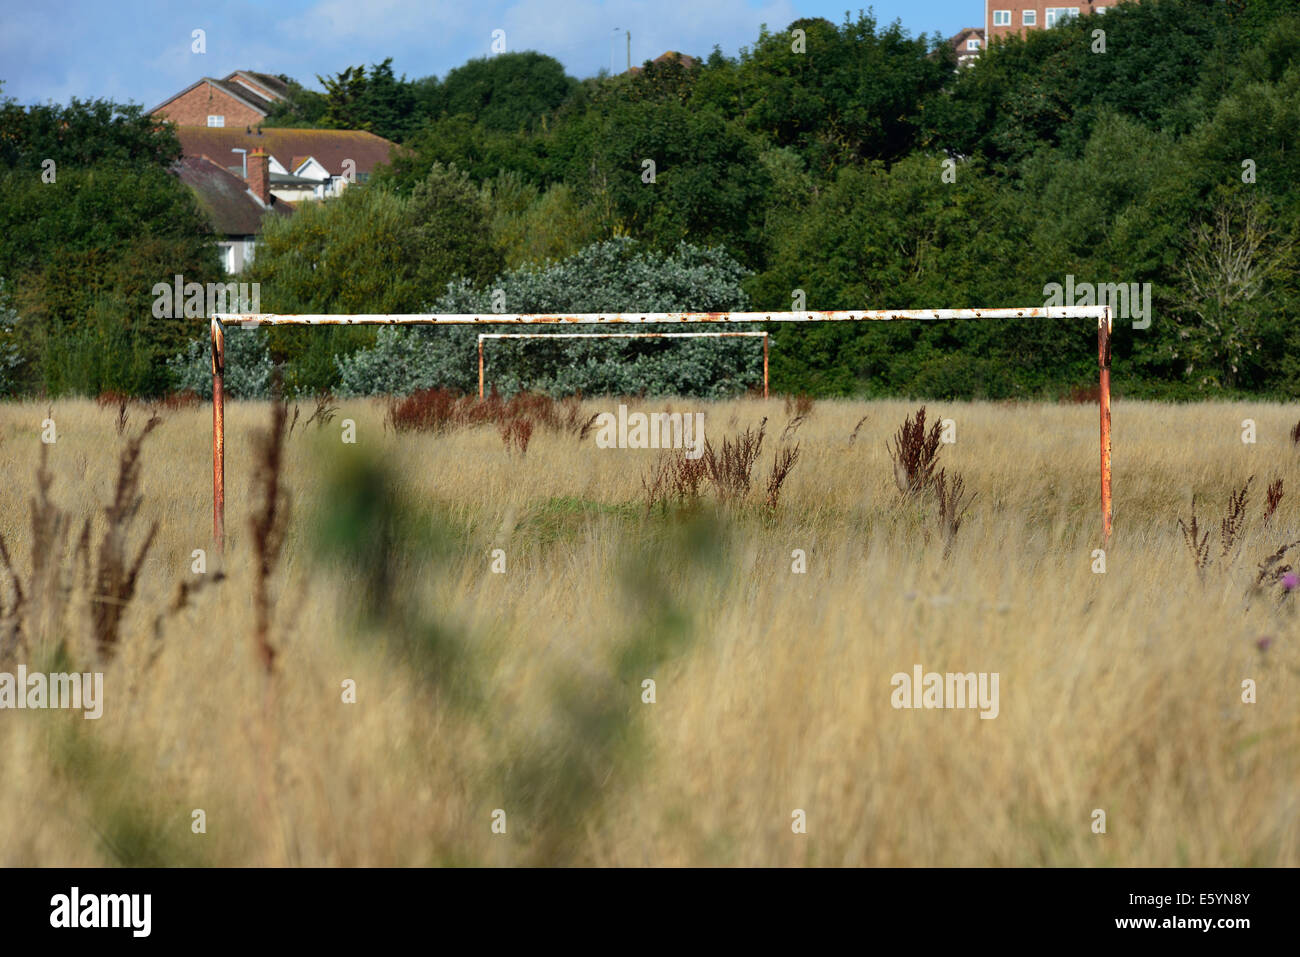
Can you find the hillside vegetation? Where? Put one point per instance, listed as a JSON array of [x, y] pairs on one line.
[[827, 166]]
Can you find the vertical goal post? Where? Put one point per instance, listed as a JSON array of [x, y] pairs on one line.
[[219, 321], [619, 335]]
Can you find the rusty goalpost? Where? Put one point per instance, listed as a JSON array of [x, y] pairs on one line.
[[219, 321]]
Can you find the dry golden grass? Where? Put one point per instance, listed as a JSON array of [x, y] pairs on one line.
[[522, 691]]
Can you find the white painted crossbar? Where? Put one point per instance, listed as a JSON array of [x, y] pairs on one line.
[[590, 318]]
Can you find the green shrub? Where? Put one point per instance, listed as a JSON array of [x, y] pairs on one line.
[[248, 366], [613, 276]]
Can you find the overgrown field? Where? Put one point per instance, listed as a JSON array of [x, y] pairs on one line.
[[480, 690]]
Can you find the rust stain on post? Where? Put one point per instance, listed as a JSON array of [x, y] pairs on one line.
[[218, 434], [765, 365], [1103, 362]]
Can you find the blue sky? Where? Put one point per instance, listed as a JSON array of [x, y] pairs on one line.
[[139, 50]]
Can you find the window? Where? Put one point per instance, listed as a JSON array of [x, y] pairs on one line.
[[1029, 18], [1058, 15], [216, 120], [972, 44], [1002, 18]]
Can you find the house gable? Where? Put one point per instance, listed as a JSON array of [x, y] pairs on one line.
[[968, 45], [311, 168], [195, 105]]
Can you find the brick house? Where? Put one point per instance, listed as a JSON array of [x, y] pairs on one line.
[[241, 172], [243, 98], [967, 45], [236, 207], [1004, 18], [222, 120]]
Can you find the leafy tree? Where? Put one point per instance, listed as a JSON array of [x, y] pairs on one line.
[[459, 141], [389, 103], [86, 251], [1257, 121], [369, 251], [340, 255], [706, 182], [303, 108], [881, 238], [1239, 269], [614, 276], [533, 226], [1124, 200], [82, 244], [668, 79], [82, 133], [855, 91], [377, 102], [448, 232], [429, 102], [508, 92], [1117, 213], [92, 209], [1047, 89], [345, 96]]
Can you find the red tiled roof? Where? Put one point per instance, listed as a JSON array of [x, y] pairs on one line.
[[225, 197], [687, 60], [329, 147]]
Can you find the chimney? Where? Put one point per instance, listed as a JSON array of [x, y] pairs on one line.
[[259, 175]]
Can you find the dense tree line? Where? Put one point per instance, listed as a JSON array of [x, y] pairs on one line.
[[835, 166], [90, 220]]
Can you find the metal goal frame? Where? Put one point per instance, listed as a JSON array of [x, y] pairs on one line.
[[219, 321]]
